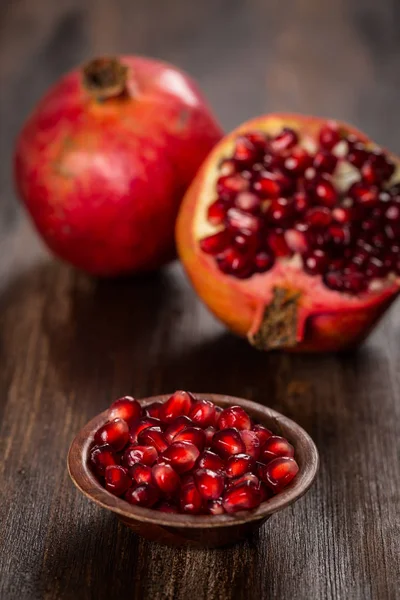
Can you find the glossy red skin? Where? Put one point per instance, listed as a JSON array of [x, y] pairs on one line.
[[103, 180], [340, 326]]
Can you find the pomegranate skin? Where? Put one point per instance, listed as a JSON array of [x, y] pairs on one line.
[[325, 320], [103, 178]]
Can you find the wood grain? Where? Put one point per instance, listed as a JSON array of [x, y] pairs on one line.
[[69, 344]]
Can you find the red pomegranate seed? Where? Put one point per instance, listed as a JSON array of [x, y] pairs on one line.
[[234, 416], [301, 201], [318, 217], [166, 507], [176, 426], [115, 433], [209, 431], [280, 210], [375, 268], [102, 457], [325, 193], [245, 151], [210, 460], [165, 478], [190, 500], [147, 455], [263, 433], [340, 236], [229, 186], [279, 473], [252, 442], [178, 404], [216, 243], [276, 446], [210, 484], [325, 162], [244, 496], [278, 244], [257, 138], [242, 221], [181, 455], [344, 214], [364, 194], [285, 140], [214, 507], [227, 167], [227, 442], [271, 185], [141, 473], [354, 283], [202, 413], [298, 161], [142, 495], [233, 262], [153, 410], [392, 212], [117, 480], [357, 155], [140, 425], [296, 240], [315, 262], [239, 464], [250, 477], [329, 135], [377, 168], [216, 212], [264, 261], [195, 435], [248, 202], [125, 408], [246, 244], [153, 436]]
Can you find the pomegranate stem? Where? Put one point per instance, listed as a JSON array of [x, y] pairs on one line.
[[105, 78]]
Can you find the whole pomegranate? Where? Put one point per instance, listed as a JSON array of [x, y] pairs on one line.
[[291, 232], [103, 162]]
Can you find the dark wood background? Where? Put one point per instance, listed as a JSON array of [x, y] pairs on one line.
[[70, 344]]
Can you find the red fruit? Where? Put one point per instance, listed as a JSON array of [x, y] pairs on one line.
[[278, 473], [115, 433], [238, 465], [216, 243], [252, 442], [140, 425], [276, 446], [209, 431], [202, 413], [146, 455], [244, 496], [189, 499], [195, 435], [102, 457], [214, 507], [117, 480], [288, 286], [153, 410], [234, 416], [143, 495], [178, 404], [103, 161], [216, 212], [176, 426], [125, 408], [262, 433], [210, 460], [165, 478], [181, 455], [153, 436], [227, 442], [250, 477], [141, 473], [210, 484]]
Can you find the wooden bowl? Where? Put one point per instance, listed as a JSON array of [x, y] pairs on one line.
[[198, 530]]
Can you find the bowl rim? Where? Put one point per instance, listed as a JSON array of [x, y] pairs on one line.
[[305, 452]]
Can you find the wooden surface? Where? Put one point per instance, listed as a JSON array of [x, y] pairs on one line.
[[69, 344]]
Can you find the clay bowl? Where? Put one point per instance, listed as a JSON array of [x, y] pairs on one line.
[[192, 530]]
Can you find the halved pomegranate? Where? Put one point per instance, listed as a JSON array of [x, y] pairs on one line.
[[290, 233]]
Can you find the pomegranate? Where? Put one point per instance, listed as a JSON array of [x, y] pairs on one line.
[[290, 233], [103, 162], [182, 463]]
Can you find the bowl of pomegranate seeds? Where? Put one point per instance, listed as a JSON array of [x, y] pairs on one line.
[[192, 469]]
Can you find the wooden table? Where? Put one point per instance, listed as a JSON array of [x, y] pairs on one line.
[[70, 344]]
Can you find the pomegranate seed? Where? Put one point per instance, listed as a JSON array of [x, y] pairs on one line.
[[176, 426], [229, 186], [272, 185], [375, 268], [165, 478], [324, 162], [239, 464], [280, 210], [190, 499], [216, 243], [209, 431], [233, 262], [298, 161], [315, 262], [227, 167], [252, 442], [246, 244], [153, 436], [117, 480], [166, 507], [210, 460], [125, 408], [318, 217], [278, 244], [202, 413], [357, 155], [354, 282], [239, 220], [115, 433], [216, 212], [296, 240], [153, 410], [142, 495], [102, 457], [301, 201], [325, 193], [234, 416], [227, 442], [343, 214], [264, 261], [181, 455], [245, 151], [140, 425], [364, 194], [339, 236], [214, 507], [392, 231], [146, 455], [141, 473], [279, 472], [329, 135], [263, 433], [248, 202], [392, 213], [195, 435], [178, 404], [250, 477], [244, 496], [285, 140], [276, 446], [377, 168], [257, 138], [210, 484]]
